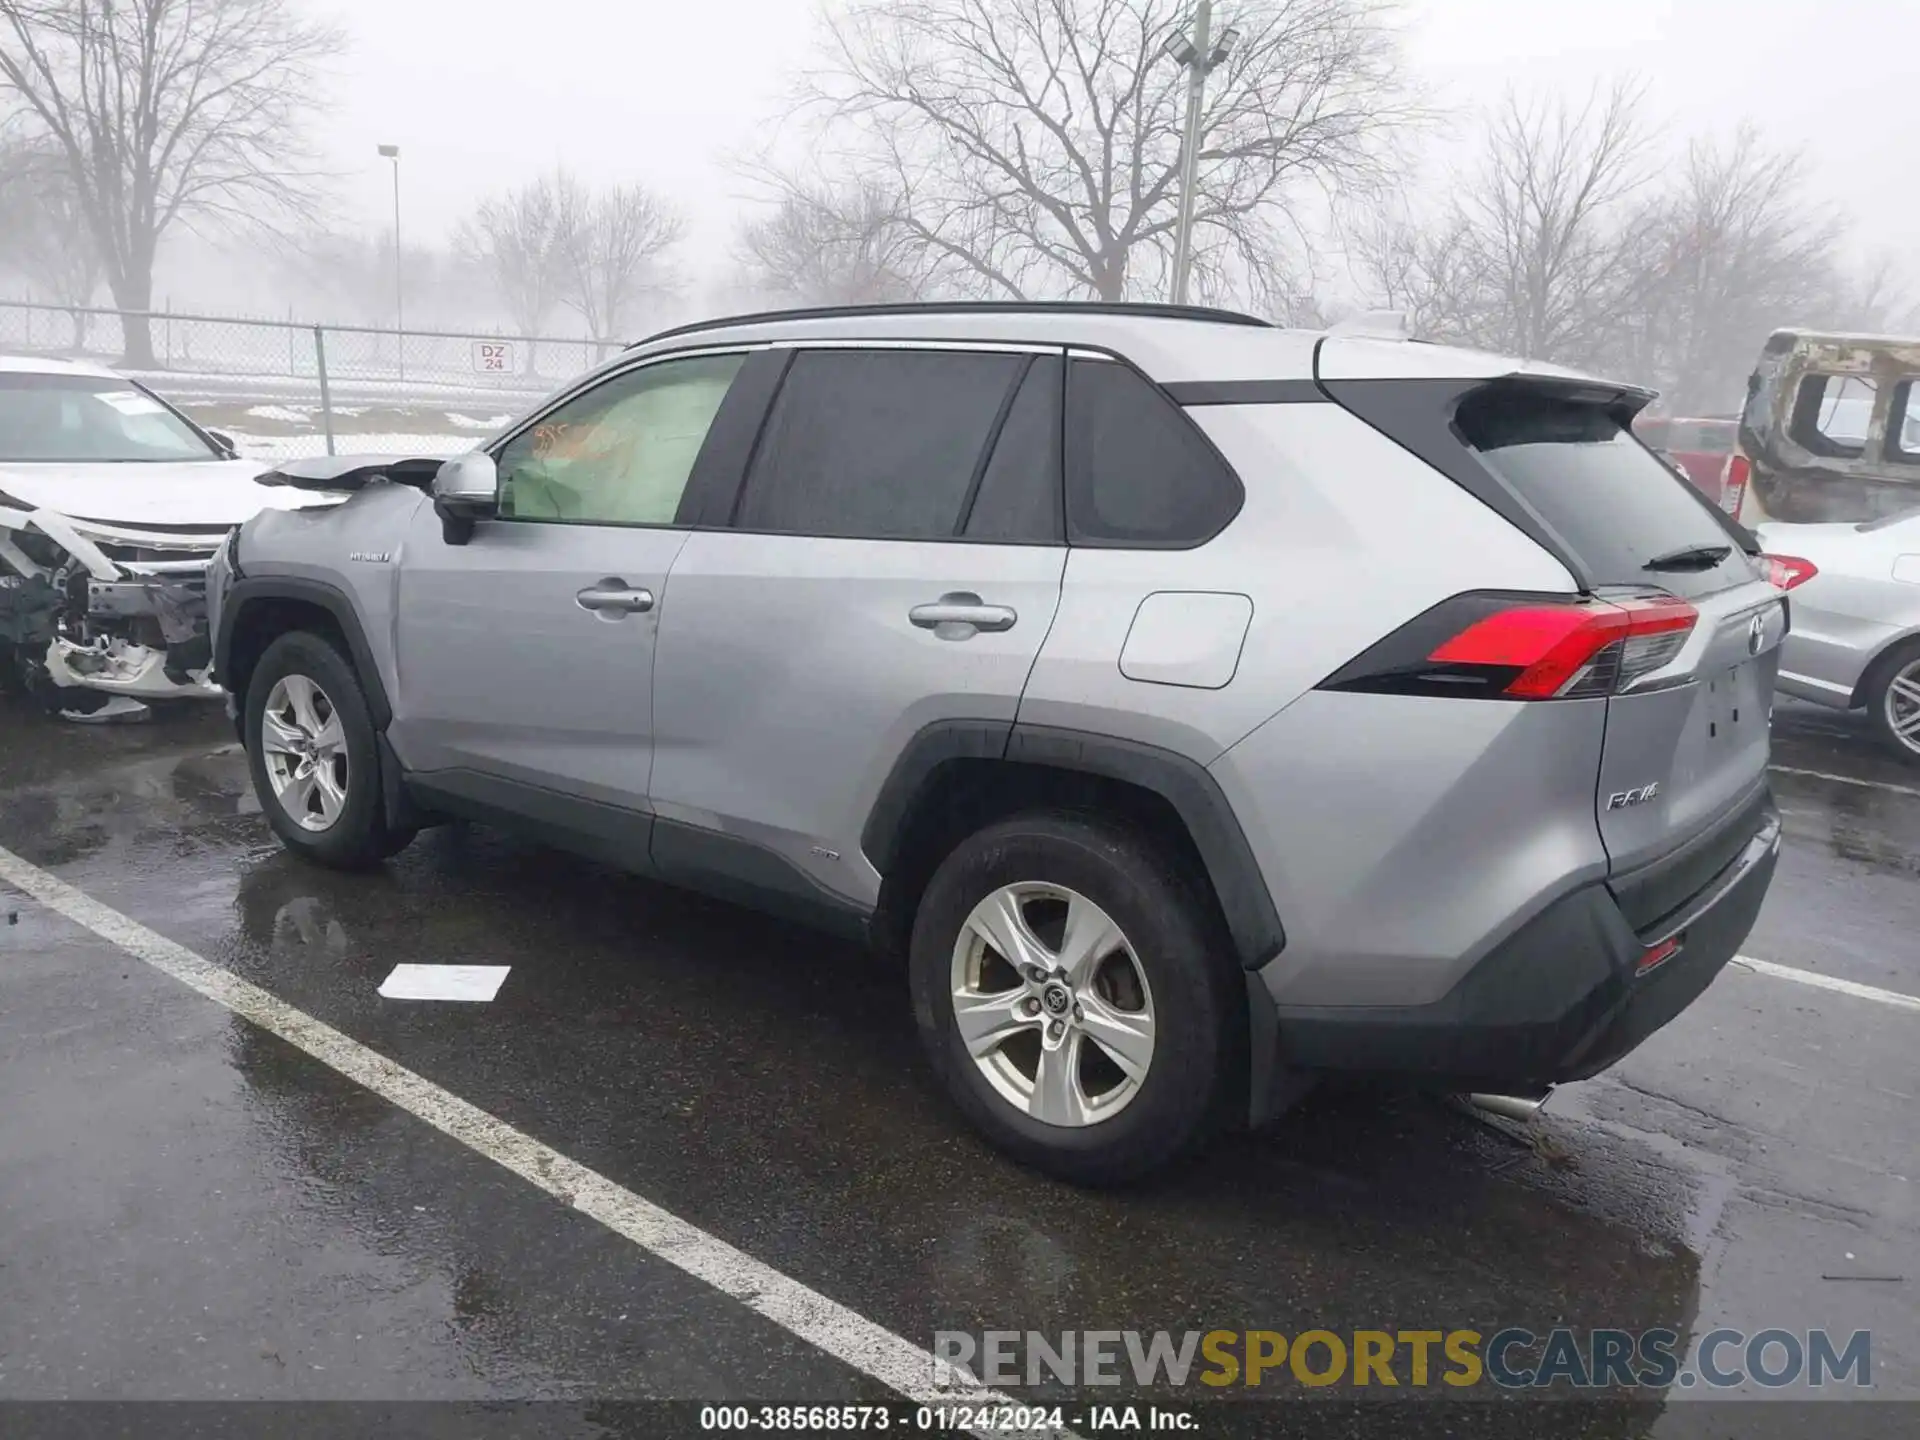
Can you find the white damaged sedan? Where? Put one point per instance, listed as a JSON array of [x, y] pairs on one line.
[[111, 505]]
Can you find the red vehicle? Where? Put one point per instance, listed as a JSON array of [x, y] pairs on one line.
[[1707, 452]]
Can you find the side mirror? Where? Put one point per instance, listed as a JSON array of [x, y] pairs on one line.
[[225, 442], [466, 490]]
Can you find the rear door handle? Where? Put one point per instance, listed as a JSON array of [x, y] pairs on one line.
[[615, 599], [961, 610]]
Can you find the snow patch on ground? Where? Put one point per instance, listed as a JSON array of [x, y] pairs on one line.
[[280, 412]]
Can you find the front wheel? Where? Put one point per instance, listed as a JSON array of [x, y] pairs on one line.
[[1074, 997], [1893, 700], [310, 746]]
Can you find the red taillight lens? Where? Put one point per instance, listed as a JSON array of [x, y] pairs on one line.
[[1788, 571], [1573, 650], [1493, 645], [1733, 483]]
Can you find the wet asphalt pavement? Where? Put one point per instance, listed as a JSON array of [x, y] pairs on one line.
[[192, 1209]]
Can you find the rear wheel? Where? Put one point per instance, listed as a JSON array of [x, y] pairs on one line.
[[1893, 700], [310, 746], [1072, 995]]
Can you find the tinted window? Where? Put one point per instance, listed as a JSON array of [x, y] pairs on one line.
[[621, 453], [90, 418], [1611, 502], [876, 444], [1138, 473], [1019, 497], [1903, 426]]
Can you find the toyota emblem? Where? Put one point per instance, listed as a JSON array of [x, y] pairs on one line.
[[1757, 635]]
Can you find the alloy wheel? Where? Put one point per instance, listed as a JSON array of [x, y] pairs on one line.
[[305, 749], [1053, 1005], [1903, 705]]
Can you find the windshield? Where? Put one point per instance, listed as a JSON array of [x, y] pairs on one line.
[[90, 418]]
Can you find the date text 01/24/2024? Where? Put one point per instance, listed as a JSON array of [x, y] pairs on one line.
[[944, 1419]]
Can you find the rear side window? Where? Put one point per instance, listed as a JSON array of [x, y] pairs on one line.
[[1830, 414], [1613, 505], [1139, 475], [1903, 426], [877, 444]]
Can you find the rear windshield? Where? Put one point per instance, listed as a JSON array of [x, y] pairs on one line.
[[1613, 504], [88, 418]]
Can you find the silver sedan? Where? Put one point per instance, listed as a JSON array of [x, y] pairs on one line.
[[1855, 607]]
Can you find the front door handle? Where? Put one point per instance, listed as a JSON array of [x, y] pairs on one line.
[[611, 598], [960, 613]]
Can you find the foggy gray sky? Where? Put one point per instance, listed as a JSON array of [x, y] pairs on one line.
[[483, 93]]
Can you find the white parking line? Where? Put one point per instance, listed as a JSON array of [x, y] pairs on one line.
[[851, 1338], [1847, 780], [1834, 983]]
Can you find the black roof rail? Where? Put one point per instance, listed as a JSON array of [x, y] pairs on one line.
[[1146, 309]]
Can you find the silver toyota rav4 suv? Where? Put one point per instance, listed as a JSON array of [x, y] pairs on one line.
[[1199, 707]]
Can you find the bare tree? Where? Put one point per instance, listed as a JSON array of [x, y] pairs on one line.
[[163, 111], [835, 245], [56, 251], [1034, 145], [514, 239], [16, 163], [350, 274], [611, 247], [1544, 243], [43, 233], [1551, 222], [1739, 249], [1567, 244], [1428, 272]]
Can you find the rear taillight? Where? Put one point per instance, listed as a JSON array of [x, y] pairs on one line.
[[1733, 483], [1788, 571], [1514, 648]]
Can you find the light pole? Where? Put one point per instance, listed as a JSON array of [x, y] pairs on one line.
[[1202, 55], [392, 152]]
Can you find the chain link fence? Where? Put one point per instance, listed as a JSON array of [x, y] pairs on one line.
[[282, 389]]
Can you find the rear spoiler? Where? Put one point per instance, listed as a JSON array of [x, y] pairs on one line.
[[338, 473]]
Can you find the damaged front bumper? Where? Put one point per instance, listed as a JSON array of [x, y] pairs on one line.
[[92, 607]]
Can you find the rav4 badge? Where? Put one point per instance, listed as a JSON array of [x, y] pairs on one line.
[[1621, 799]]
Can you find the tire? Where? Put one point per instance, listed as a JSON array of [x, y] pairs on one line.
[[1170, 968], [349, 833], [1888, 706]]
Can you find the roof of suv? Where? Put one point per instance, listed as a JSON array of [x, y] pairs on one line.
[[1171, 342]]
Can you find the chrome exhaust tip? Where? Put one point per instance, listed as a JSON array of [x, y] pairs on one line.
[[1511, 1107]]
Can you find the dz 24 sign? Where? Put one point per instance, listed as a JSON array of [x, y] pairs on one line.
[[493, 357]]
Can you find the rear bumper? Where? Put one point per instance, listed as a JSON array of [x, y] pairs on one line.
[[1561, 999]]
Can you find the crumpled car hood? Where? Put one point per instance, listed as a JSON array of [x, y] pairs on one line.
[[195, 492]]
